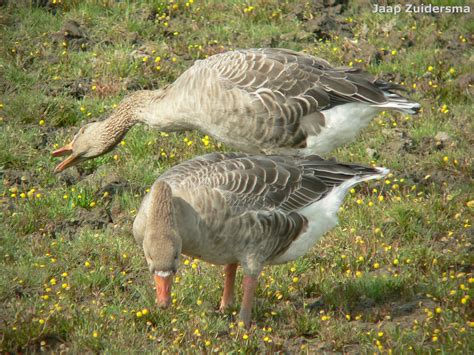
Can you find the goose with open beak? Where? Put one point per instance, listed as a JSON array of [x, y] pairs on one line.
[[259, 101], [89, 142]]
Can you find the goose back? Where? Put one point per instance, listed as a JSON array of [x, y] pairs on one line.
[[272, 98]]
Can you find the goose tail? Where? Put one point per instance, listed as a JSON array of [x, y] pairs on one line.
[[367, 173], [400, 103], [396, 101]]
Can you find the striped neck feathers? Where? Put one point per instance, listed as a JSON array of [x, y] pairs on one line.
[[162, 244], [139, 107]]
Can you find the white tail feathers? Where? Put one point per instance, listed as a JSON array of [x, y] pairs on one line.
[[411, 108], [381, 172], [399, 103], [344, 188]]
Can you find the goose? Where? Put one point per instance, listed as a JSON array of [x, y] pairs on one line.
[[258, 101], [235, 208]]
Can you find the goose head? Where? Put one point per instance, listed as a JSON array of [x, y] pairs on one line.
[[162, 256], [100, 137], [161, 240], [90, 142]]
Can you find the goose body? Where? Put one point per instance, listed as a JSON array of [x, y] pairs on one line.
[[260, 101], [237, 208]]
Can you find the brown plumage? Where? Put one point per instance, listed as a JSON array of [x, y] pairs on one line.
[[255, 100], [237, 208]]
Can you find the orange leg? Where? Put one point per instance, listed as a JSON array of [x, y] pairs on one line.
[[228, 295], [249, 285]]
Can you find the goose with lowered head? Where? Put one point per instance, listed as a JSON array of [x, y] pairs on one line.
[[259, 101], [234, 208]]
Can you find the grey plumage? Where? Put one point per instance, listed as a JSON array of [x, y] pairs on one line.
[[272, 101], [273, 90], [251, 210]]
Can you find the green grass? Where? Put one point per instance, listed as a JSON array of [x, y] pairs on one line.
[[395, 275]]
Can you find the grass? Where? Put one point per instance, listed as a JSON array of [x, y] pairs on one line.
[[395, 276]]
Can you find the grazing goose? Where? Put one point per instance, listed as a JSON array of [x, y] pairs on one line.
[[236, 208], [271, 101]]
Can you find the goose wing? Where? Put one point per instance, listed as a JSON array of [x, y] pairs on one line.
[[281, 183], [257, 198], [289, 89], [263, 182]]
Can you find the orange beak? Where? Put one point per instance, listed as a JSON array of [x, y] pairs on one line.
[[69, 161], [163, 290], [67, 149]]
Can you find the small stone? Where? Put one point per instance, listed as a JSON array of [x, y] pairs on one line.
[[442, 137], [370, 152]]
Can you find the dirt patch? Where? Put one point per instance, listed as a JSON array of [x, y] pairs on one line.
[[102, 181], [106, 187], [428, 177], [327, 7], [82, 87], [72, 34], [395, 311], [69, 176], [321, 19], [465, 83], [324, 27], [97, 218], [404, 314], [48, 342], [399, 143], [19, 178], [75, 88], [375, 317], [7, 206]]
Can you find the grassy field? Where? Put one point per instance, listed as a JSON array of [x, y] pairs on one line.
[[395, 277]]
